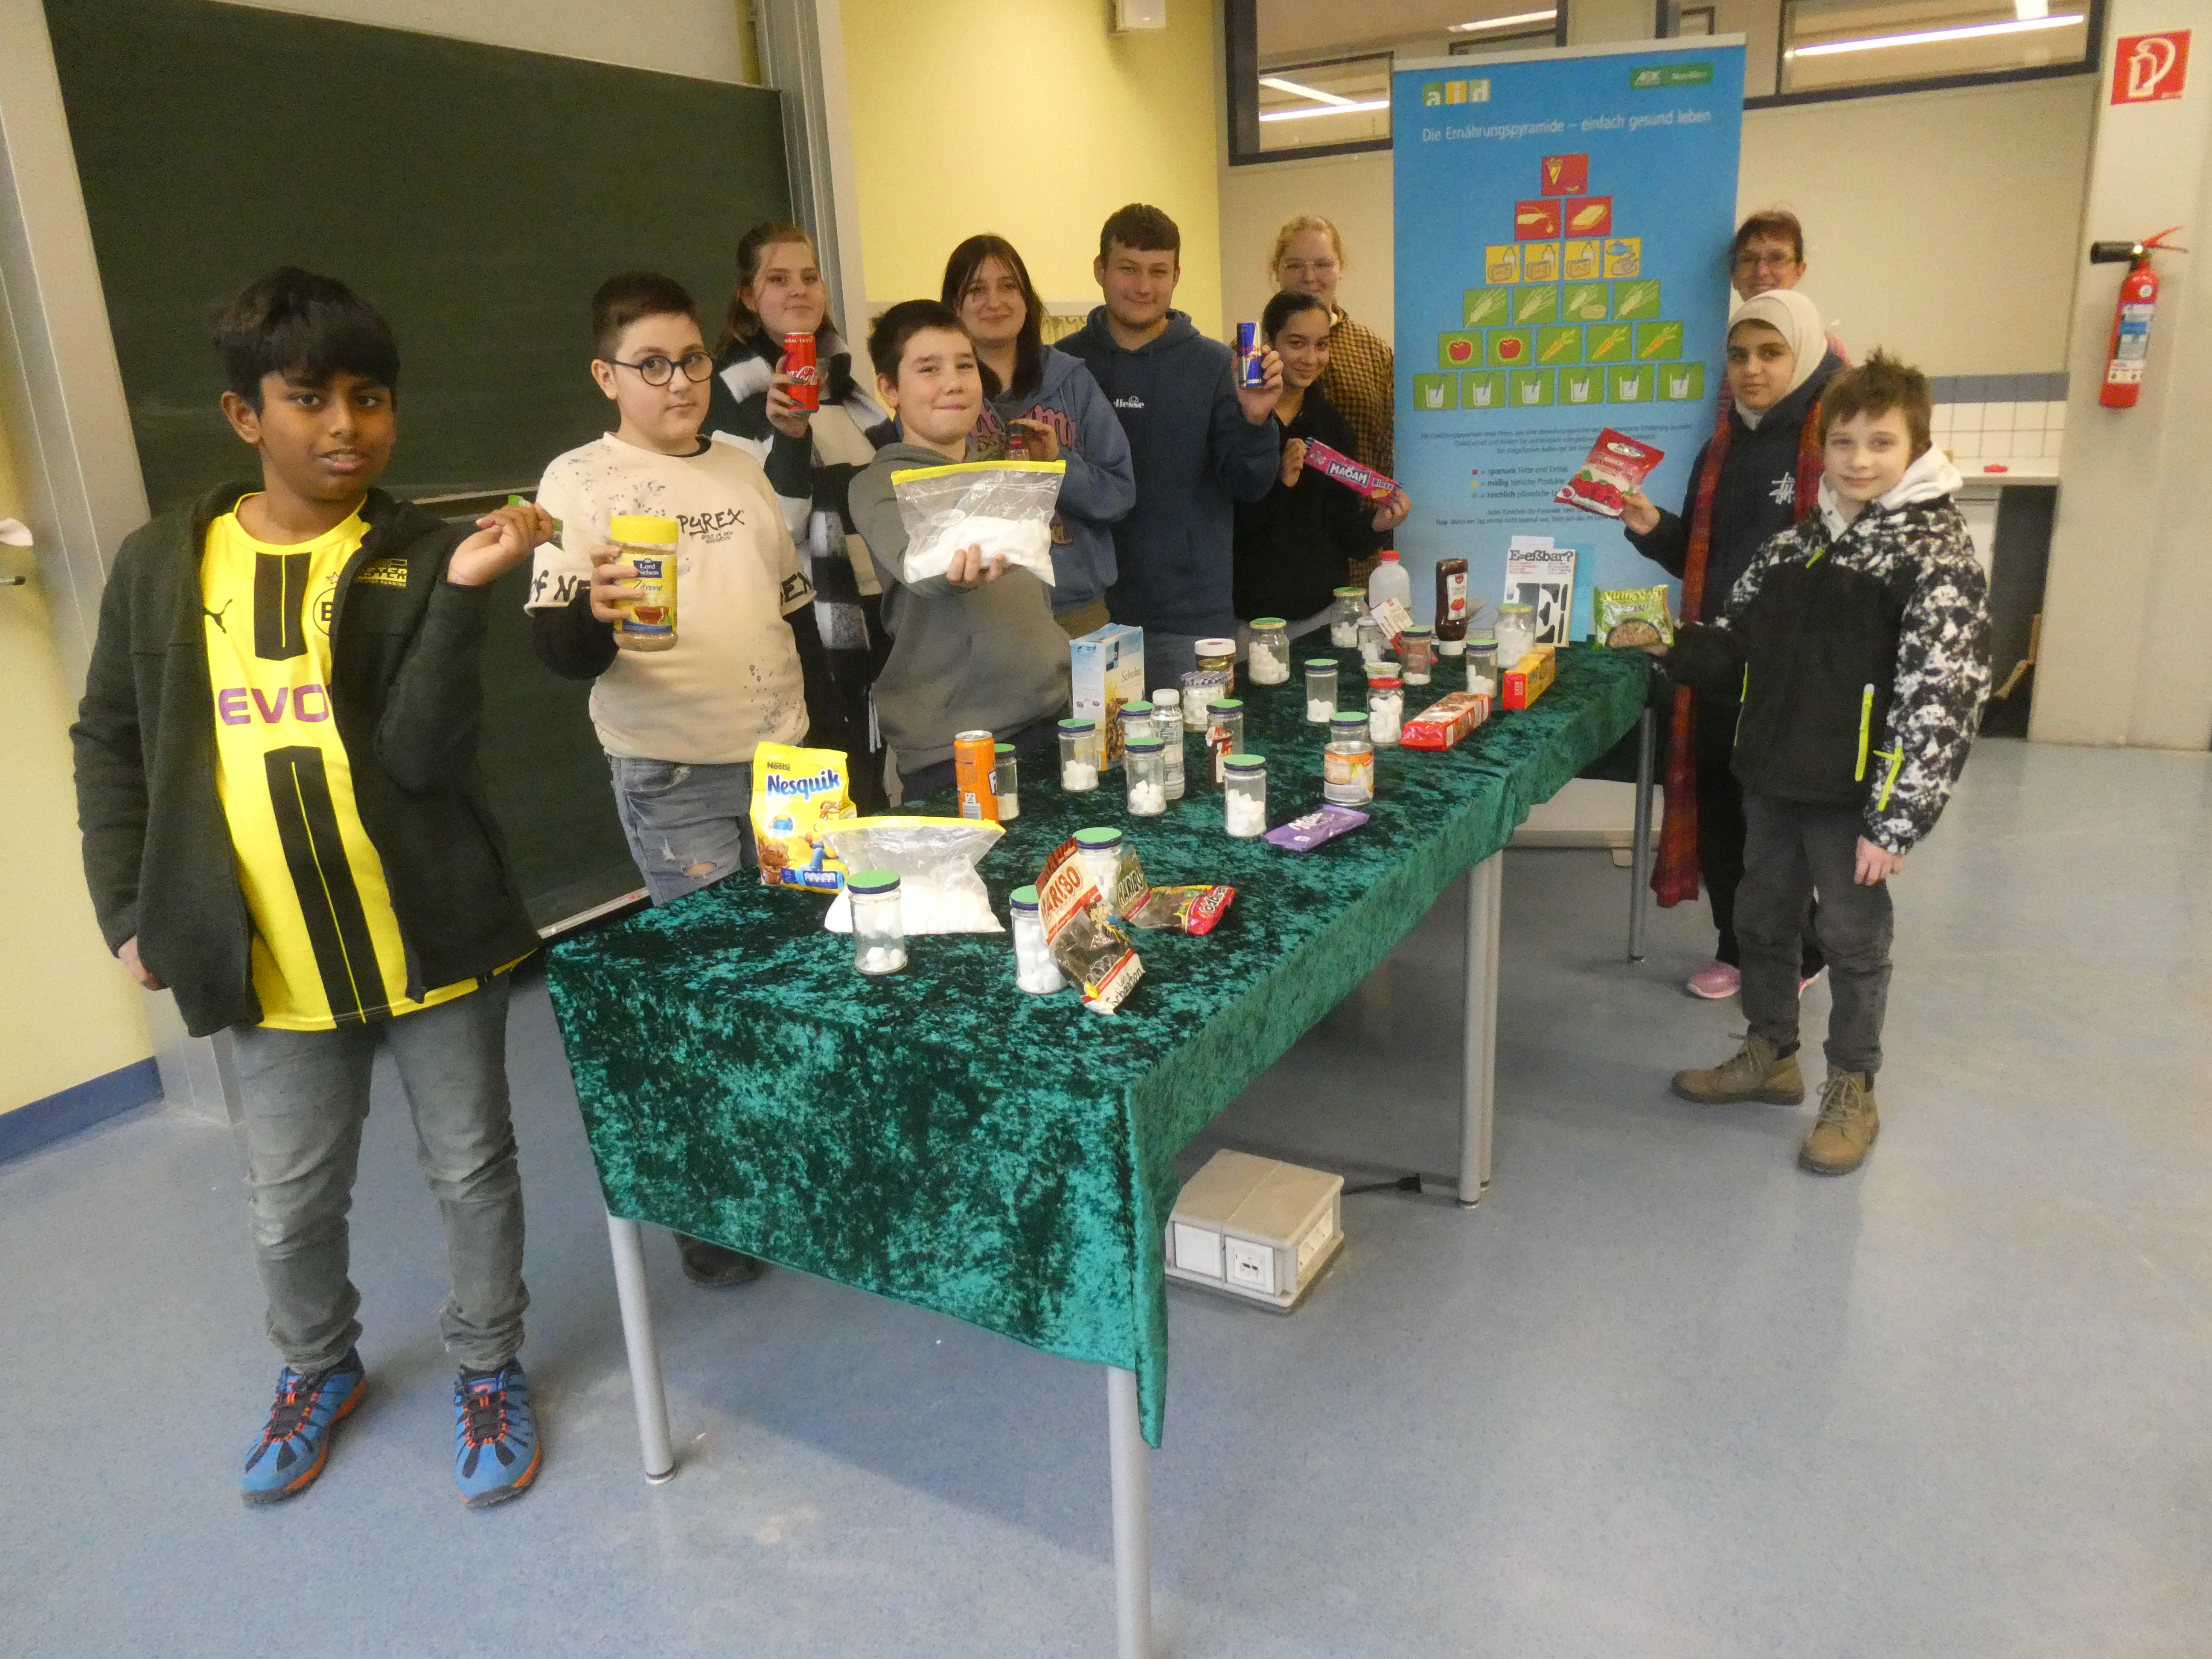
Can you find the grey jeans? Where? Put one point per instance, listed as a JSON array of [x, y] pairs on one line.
[[1792, 851], [688, 825], [305, 1095]]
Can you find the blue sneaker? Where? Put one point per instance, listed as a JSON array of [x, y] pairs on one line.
[[495, 1449], [296, 1443]]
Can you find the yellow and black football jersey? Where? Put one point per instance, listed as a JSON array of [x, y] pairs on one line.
[[326, 946]]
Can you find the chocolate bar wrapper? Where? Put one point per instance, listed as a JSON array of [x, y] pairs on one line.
[[1304, 834]]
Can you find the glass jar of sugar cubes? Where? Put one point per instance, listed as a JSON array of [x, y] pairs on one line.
[[1079, 756], [878, 927], [1349, 605], [1035, 971], [1268, 658], [1321, 689], [1244, 793], [1146, 769]]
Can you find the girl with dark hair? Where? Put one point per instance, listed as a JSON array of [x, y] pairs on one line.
[[973, 648], [1297, 544], [1049, 402], [1756, 477], [811, 456]]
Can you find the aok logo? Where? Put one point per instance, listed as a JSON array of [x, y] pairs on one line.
[[237, 705]]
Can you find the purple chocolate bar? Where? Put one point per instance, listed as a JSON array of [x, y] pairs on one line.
[[1303, 835]]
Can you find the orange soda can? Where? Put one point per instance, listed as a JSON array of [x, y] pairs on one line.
[[799, 362], [975, 756]]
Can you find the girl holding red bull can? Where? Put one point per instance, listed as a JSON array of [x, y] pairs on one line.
[[783, 390]]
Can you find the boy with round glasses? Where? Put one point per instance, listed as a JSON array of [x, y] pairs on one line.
[[679, 725]]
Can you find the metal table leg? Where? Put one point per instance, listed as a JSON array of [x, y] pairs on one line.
[[1479, 1052], [1639, 878], [644, 1352], [1132, 1518]]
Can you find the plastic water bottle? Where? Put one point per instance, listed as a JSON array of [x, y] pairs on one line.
[[1389, 582]]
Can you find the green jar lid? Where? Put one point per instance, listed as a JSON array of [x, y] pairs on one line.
[[1025, 898], [1144, 746], [1078, 726], [873, 881], [1226, 705], [1002, 749], [1268, 622], [1325, 664], [1094, 840], [1137, 706], [1244, 763]]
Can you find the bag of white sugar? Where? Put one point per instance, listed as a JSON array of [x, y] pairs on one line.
[[1004, 507]]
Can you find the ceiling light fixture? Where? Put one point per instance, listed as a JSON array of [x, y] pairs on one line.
[[1313, 93], [1514, 21], [1325, 109], [1932, 36]]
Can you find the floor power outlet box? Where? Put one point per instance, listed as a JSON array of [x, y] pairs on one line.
[[1254, 1229]]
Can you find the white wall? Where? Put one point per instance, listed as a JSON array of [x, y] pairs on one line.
[[707, 38], [1354, 191], [1941, 225]]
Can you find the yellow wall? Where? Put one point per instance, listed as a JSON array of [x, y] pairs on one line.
[[68, 1013], [1033, 121]]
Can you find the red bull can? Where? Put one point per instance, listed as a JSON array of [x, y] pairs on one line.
[[800, 363], [1253, 370]]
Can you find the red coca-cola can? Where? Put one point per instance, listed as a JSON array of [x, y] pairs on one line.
[[798, 363]]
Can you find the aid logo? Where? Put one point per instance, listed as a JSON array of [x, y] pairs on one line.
[[238, 705]]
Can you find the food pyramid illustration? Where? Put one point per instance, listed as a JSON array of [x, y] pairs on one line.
[[1565, 315]]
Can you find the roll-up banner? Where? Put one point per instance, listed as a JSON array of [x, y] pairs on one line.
[[1563, 225]]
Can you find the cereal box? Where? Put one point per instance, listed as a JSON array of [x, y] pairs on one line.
[[1108, 668]]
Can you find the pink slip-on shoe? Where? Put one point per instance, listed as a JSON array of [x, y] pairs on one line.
[[1714, 981]]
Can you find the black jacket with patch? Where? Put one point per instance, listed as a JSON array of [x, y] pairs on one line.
[[1862, 654], [405, 690]]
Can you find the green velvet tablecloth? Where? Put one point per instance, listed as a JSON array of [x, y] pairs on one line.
[[938, 1137]]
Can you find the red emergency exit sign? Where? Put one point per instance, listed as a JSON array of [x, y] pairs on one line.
[[2148, 68]]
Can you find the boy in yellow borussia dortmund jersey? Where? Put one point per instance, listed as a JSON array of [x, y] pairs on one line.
[[276, 783]]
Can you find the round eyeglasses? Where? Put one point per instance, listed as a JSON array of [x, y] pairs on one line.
[[657, 370]]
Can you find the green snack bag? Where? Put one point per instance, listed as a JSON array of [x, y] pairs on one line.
[[1631, 616]]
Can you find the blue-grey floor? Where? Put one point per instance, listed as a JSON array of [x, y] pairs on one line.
[[1661, 1394]]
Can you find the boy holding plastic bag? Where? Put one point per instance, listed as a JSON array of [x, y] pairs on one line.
[[966, 600]]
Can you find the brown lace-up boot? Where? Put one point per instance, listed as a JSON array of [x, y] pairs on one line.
[[1846, 1128], [1757, 1073]]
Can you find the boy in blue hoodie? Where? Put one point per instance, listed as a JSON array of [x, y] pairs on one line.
[[1201, 443]]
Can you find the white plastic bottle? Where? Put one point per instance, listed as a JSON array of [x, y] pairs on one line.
[[1389, 582]]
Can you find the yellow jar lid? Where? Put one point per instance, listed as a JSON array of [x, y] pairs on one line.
[[642, 527]]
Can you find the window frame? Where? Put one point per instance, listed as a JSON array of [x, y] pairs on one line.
[[2091, 63], [1240, 33]]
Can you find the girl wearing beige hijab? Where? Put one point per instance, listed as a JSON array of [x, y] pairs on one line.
[[1758, 475]]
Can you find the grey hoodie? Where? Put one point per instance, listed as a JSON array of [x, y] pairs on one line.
[[962, 659]]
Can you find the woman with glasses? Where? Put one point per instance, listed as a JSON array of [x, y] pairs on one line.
[[811, 457], [1309, 258]]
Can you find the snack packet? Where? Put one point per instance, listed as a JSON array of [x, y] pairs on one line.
[[1631, 616], [1445, 721], [1303, 835], [1084, 940], [1185, 910], [1003, 506], [1334, 463], [1617, 464], [796, 793], [939, 891]]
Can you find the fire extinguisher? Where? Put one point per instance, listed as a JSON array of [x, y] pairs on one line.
[[2124, 359]]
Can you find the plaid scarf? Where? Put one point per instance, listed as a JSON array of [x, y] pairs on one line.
[[1674, 874]]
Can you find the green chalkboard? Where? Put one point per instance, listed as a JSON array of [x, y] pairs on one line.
[[477, 195]]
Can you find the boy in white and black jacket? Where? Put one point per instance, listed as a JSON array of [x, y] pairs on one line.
[[1859, 643]]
